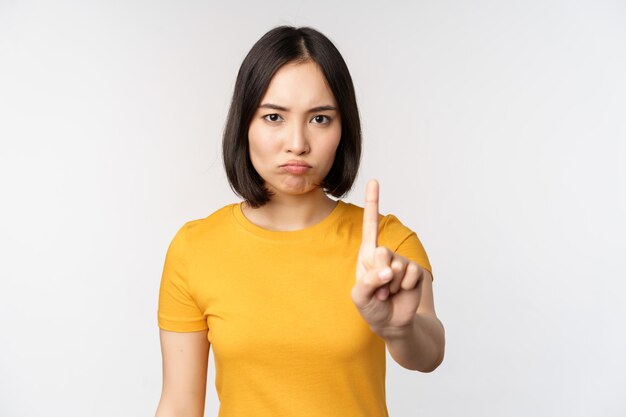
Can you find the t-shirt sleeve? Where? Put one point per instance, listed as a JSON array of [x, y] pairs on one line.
[[177, 309], [403, 241]]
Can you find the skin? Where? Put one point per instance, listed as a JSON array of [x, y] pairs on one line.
[[398, 305], [277, 136], [394, 295]]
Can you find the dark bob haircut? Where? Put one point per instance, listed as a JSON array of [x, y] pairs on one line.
[[279, 46]]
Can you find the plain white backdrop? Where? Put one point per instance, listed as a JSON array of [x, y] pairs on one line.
[[495, 128]]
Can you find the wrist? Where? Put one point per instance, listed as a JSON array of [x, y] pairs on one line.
[[391, 333]]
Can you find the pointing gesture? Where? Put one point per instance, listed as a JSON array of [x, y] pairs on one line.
[[369, 238], [386, 292]]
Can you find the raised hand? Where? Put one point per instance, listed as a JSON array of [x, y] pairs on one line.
[[387, 290]]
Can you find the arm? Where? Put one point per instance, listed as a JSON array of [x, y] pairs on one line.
[[421, 345], [185, 360]]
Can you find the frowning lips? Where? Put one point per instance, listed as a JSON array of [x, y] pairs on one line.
[[296, 163]]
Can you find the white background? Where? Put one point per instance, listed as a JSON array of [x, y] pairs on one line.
[[496, 130]]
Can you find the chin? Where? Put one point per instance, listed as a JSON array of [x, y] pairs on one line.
[[295, 189]]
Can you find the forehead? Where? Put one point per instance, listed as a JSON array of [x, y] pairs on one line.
[[299, 85]]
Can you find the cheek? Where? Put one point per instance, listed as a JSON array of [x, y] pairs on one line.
[[331, 143], [260, 143], [261, 150], [330, 149]]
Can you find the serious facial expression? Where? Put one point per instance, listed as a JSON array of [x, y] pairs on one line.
[[297, 121]]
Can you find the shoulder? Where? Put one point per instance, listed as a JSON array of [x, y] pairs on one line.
[[197, 229]]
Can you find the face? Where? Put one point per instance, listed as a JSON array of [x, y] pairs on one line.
[[297, 120]]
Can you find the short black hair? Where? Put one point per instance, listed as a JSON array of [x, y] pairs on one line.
[[279, 46]]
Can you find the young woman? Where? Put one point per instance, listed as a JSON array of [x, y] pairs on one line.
[[299, 294]]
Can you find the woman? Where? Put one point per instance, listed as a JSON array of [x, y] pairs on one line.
[[299, 294]]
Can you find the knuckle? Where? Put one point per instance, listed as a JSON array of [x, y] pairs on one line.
[[383, 253]]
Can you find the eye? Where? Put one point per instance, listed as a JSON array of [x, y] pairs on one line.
[[272, 117], [317, 118]]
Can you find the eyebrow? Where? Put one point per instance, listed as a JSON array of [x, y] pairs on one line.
[[314, 109]]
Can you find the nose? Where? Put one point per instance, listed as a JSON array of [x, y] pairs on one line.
[[297, 141]]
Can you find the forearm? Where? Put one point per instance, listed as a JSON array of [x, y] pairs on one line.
[[419, 347]]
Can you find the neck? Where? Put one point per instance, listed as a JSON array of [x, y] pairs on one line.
[[291, 212]]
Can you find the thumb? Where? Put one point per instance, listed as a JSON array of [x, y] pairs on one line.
[[364, 289]]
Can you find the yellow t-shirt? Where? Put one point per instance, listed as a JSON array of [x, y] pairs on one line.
[[286, 337]]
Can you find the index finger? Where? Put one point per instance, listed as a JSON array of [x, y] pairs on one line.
[[370, 215]]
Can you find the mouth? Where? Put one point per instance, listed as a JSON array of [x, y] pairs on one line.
[[295, 169], [296, 164]]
